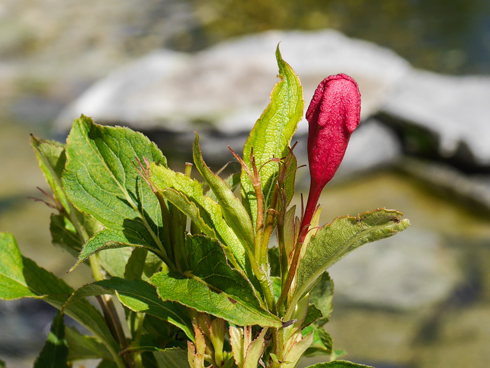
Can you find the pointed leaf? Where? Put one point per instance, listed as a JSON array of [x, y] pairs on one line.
[[108, 239], [55, 352], [232, 181], [238, 347], [139, 296], [187, 195], [272, 133], [235, 214], [101, 179], [174, 357], [212, 286], [344, 234]]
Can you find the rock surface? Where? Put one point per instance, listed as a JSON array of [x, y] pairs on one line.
[[410, 271], [227, 86], [454, 109]]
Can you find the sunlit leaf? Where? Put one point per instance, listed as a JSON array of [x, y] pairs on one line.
[[272, 133], [101, 179], [212, 286], [235, 214], [333, 241], [187, 195]]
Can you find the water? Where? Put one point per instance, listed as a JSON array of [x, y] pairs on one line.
[[444, 36]]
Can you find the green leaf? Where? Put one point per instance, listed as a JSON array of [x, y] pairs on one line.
[[138, 296], [163, 333], [272, 133], [64, 234], [101, 179], [174, 357], [142, 268], [112, 241], [212, 286], [274, 261], [235, 214], [343, 235], [67, 227], [55, 353], [321, 297], [22, 278], [114, 260], [322, 342], [232, 181], [135, 265], [82, 347], [312, 315], [339, 364], [2, 364], [187, 195]]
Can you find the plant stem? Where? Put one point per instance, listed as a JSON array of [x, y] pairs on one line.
[[107, 315], [292, 269], [95, 266], [119, 331]]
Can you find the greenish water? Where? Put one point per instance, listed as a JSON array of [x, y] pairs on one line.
[[444, 36]]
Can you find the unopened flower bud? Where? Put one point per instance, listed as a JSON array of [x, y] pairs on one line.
[[334, 113]]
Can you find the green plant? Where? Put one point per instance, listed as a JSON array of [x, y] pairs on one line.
[[190, 261]]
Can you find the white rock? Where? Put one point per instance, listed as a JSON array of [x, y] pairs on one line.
[[371, 145], [456, 109], [228, 85]]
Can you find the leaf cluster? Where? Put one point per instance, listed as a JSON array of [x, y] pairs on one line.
[[188, 259]]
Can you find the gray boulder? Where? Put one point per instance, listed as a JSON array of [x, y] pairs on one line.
[[227, 86], [455, 110], [409, 271]]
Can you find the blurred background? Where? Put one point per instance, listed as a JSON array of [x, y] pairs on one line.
[[169, 67]]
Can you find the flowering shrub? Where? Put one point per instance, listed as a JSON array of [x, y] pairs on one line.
[[190, 261]]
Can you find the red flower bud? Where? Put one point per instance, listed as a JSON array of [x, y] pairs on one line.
[[334, 113]]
